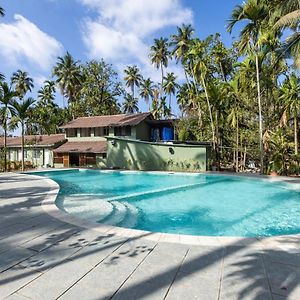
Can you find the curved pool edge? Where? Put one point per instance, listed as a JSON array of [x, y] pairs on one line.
[[48, 205]]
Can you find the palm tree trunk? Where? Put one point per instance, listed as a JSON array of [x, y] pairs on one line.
[[210, 113], [5, 150], [162, 79], [259, 116], [237, 147], [22, 147], [296, 132]]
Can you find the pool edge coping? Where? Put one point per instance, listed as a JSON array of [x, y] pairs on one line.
[[48, 206]]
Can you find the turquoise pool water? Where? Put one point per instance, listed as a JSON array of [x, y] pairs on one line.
[[201, 204]]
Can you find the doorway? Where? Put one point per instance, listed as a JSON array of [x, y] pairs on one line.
[[74, 159]]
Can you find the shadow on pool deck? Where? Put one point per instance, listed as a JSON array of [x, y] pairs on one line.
[[178, 271]]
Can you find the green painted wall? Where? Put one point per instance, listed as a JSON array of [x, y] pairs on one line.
[[135, 155]]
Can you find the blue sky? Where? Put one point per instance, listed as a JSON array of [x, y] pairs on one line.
[[34, 32]]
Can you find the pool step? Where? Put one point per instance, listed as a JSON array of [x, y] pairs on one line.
[[118, 214], [132, 216]]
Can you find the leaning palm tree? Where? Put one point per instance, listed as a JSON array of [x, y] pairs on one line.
[[290, 97], [130, 105], [6, 111], [254, 13], [160, 55], [170, 86], [146, 90], [133, 78], [68, 77], [22, 83], [21, 116]]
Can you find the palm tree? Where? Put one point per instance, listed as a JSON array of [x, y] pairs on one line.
[[146, 90], [22, 83], [130, 105], [199, 62], [6, 110], [2, 77], [254, 12], [290, 96], [170, 86], [46, 93], [133, 77], [21, 115], [68, 77], [289, 16], [181, 42], [159, 56]]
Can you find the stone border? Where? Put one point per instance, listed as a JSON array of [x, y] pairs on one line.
[[48, 205]]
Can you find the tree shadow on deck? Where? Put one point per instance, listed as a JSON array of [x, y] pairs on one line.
[[245, 272]]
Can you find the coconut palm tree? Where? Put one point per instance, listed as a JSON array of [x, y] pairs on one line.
[[21, 116], [290, 97], [146, 90], [133, 78], [22, 83], [170, 86], [69, 78], [160, 55], [6, 111], [254, 13], [289, 17], [181, 43], [130, 105], [199, 62], [46, 93]]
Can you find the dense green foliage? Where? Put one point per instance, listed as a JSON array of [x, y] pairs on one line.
[[243, 99]]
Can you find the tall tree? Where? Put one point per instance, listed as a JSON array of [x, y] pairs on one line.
[[181, 43], [290, 97], [6, 111], [22, 83], [146, 90], [130, 104], [46, 93], [159, 56], [254, 13], [133, 78], [21, 116], [69, 78], [170, 86]]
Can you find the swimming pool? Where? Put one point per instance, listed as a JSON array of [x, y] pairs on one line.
[[192, 204]]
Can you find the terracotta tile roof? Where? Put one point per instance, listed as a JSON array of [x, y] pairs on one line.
[[34, 140], [82, 147], [108, 121]]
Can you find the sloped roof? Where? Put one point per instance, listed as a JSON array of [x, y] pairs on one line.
[[82, 147], [108, 121], [34, 140]]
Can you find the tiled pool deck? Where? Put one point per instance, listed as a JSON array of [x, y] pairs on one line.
[[46, 255]]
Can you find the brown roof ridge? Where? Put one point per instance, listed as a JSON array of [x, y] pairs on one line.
[[116, 115]]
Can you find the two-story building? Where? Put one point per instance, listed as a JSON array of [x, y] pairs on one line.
[[86, 137]]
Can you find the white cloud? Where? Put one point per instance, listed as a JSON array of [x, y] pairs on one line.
[[120, 31], [23, 40]]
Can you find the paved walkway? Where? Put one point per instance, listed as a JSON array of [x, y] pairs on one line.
[[44, 258]]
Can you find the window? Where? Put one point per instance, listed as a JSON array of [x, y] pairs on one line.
[[101, 131], [85, 132], [25, 154], [123, 131], [36, 154], [106, 130], [71, 132]]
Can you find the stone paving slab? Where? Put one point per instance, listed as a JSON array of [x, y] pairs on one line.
[[46, 258]]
